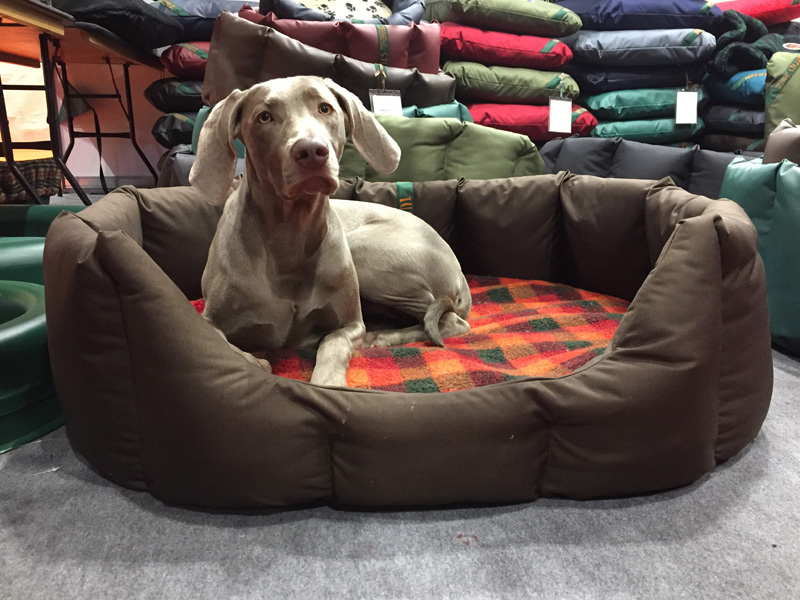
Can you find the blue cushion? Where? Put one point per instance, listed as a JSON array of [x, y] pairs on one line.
[[632, 48], [607, 15]]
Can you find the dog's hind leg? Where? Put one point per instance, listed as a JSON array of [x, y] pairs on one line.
[[450, 325]]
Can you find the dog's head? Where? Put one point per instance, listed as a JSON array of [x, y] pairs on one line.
[[294, 130]]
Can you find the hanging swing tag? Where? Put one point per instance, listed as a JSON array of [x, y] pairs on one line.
[[383, 101], [560, 117], [560, 120], [686, 107], [386, 102]]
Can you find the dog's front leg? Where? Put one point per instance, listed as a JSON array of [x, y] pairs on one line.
[[333, 355]]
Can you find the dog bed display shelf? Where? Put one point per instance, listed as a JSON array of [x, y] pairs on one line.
[[155, 400]]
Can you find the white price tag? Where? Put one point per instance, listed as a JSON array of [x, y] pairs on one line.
[[386, 102], [560, 120], [686, 108]]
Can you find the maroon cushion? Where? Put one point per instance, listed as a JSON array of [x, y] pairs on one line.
[[529, 120], [410, 46], [507, 49], [187, 60]]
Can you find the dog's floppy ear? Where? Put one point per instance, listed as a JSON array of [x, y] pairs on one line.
[[370, 138], [214, 168]]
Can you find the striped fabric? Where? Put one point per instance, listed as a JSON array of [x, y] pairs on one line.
[[519, 329]]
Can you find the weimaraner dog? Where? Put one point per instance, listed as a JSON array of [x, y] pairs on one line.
[[287, 265]]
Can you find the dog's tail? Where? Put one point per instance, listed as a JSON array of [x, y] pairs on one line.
[[435, 311]]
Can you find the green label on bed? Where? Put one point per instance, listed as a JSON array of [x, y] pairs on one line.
[[198, 51], [405, 195]]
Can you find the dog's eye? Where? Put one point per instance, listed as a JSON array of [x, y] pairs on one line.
[[264, 117], [325, 108]]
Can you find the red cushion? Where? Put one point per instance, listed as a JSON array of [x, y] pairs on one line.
[[529, 120], [187, 60], [505, 49], [410, 46], [769, 12]]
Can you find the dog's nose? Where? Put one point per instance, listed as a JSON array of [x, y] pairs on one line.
[[310, 153]]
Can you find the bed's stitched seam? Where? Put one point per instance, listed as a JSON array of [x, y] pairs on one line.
[[140, 430]]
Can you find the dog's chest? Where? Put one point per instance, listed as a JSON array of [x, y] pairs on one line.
[[282, 311]]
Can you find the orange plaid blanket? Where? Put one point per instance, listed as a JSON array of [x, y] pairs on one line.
[[518, 329]]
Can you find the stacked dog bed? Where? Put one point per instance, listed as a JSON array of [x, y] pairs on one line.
[[179, 96], [273, 54], [632, 56], [508, 63], [735, 116]]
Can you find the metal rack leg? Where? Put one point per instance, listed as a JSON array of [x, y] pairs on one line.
[[8, 150], [132, 125], [52, 118]]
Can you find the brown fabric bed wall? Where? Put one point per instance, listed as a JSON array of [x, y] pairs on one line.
[[155, 400]]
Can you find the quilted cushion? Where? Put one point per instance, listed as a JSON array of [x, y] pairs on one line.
[[407, 46], [532, 17], [596, 79], [746, 87], [653, 131], [607, 15], [187, 60], [769, 12], [734, 119], [475, 81], [461, 42], [343, 9], [646, 103], [404, 11], [633, 48], [529, 120]]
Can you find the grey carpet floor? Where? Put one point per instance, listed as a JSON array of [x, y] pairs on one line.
[[67, 533]]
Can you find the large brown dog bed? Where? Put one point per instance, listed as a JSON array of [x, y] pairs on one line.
[[155, 400]]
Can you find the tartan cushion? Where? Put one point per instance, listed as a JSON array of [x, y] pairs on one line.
[[519, 329], [42, 173]]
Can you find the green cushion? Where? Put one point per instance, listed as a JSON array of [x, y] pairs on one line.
[[509, 85], [651, 131], [782, 90], [768, 194], [453, 110], [21, 259], [527, 17], [25, 376], [437, 149], [645, 103], [30, 220]]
